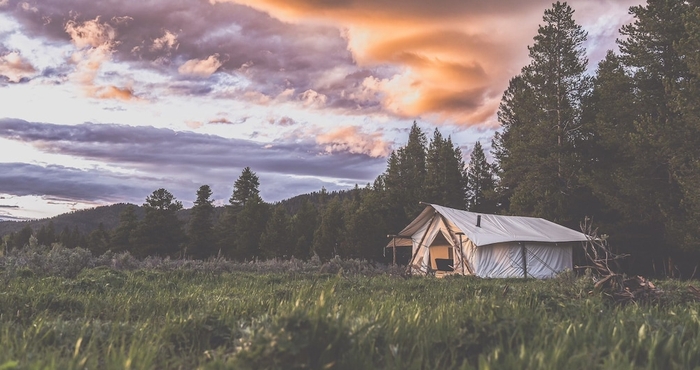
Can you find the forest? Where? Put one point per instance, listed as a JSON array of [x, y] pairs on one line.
[[617, 142]]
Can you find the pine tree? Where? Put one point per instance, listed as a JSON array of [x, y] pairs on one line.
[[365, 227], [201, 225], [665, 136], [480, 182], [245, 188], [98, 241], [404, 179], [42, 236], [445, 183], [541, 118], [303, 225], [275, 241], [21, 238], [160, 232], [250, 224], [329, 234], [122, 237]]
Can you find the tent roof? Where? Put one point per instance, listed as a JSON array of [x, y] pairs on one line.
[[496, 228]]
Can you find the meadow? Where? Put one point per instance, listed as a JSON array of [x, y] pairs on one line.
[[65, 309]]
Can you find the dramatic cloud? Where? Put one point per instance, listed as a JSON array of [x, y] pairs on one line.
[[95, 43], [455, 56], [352, 140], [326, 86], [166, 42], [267, 57], [22, 179], [164, 153], [201, 68], [15, 68]]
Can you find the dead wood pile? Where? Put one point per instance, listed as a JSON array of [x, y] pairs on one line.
[[602, 262]]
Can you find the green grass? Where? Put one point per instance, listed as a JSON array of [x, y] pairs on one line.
[[184, 319]]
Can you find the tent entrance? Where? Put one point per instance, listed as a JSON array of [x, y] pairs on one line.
[[441, 254]]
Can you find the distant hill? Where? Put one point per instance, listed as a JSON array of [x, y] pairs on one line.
[[87, 220]]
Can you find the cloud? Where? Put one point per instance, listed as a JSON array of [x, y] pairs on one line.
[[164, 153], [90, 34], [95, 42], [167, 42], [220, 121], [282, 121], [311, 98], [15, 68], [447, 61], [265, 61], [22, 179], [454, 57], [201, 67], [352, 140]]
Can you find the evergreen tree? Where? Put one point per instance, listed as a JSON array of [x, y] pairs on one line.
[[665, 134], [46, 234], [328, 236], [303, 225], [404, 179], [122, 237], [245, 188], [98, 241], [541, 118], [201, 225], [365, 227], [21, 238], [435, 169], [480, 182], [250, 224], [72, 238], [275, 241], [160, 232]]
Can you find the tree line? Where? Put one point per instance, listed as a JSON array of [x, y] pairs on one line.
[[619, 144], [349, 224]]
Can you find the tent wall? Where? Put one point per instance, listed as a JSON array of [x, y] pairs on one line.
[[505, 260], [499, 261], [547, 260]]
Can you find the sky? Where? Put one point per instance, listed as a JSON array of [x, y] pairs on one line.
[[106, 101]]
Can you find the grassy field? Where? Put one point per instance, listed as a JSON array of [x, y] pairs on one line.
[[185, 317]]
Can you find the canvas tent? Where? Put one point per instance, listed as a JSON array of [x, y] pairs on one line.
[[450, 241]]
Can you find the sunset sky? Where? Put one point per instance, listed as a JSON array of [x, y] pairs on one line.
[[106, 101]]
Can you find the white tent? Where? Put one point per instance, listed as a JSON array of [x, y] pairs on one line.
[[450, 241]]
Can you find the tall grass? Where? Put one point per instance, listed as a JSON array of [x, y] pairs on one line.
[[189, 317]]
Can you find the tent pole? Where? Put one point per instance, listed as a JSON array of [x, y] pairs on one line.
[[421, 241], [461, 252], [523, 252]]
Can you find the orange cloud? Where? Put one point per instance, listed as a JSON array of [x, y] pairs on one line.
[[113, 92], [454, 57], [201, 67], [351, 139], [95, 43], [14, 67], [166, 42]]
